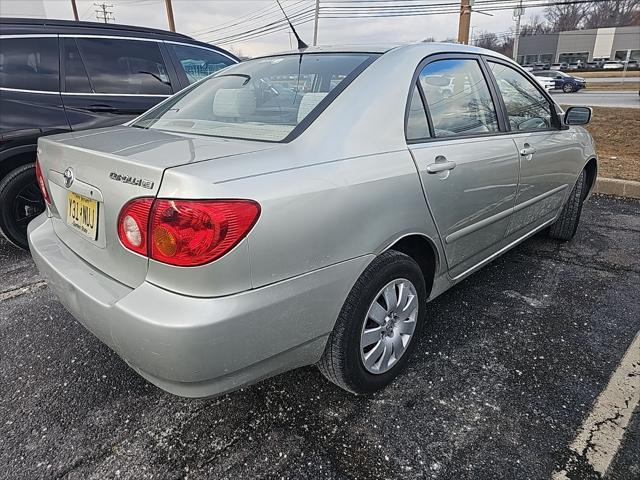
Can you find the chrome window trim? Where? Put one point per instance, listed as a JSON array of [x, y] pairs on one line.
[[118, 94], [28, 35], [109, 37], [23, 90]]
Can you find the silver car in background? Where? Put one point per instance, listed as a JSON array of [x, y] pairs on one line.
[[302, 209]]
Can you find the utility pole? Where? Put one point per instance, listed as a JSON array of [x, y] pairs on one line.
[[315, 23], [518, 12], [75, 10], [103, 13], [465, 21], [172, 23]]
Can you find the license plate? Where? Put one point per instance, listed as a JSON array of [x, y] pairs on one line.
[[82, 215]]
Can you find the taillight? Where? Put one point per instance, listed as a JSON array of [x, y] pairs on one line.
[[185, 232], [133, 224], [194, 232], [41, 184]]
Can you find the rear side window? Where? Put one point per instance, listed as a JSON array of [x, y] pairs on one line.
[[198, 63], [417, 125], [458, 98], [76, 79], [124, 66], [527, 108], [30, 63]]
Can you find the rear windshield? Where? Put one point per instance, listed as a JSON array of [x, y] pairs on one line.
[[262, 99]]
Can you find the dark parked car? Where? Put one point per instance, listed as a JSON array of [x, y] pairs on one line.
[[59, 76], [565, 82]]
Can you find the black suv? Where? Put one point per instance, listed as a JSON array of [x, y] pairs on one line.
[[57, 76]]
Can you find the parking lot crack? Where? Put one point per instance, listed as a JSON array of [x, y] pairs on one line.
[[24, 289]]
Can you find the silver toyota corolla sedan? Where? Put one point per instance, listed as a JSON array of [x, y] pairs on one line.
[[302, 209]]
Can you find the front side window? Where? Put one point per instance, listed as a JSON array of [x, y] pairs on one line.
[[528, 109], [198, 63], [458, 98], [30, 64], [124, 66], [261, 99]]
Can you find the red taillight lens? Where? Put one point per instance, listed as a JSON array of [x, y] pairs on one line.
[[133, 224], [195, 232], [185, 233], [41, 184]]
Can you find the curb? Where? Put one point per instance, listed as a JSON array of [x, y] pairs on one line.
[[619, 188]]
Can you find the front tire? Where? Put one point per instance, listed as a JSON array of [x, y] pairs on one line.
[[568, 88], [566, 225], [20, 202], [376, 329]]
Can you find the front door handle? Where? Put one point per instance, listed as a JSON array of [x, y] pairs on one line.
[[441, 165], [528, 150]]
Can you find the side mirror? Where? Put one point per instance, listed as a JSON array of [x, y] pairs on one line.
[[577, 116]]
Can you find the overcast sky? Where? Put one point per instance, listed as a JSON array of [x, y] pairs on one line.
[[195, 16]]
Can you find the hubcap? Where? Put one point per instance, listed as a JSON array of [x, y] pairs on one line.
[[389, 326], [27, 205]]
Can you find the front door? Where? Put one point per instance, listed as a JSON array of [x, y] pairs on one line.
[[469, 172], [548, 154]]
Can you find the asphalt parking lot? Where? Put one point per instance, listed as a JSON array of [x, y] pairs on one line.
[[508, 368]]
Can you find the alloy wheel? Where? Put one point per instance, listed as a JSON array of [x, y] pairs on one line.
[[389, 326]]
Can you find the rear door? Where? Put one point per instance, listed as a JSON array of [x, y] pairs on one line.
[[468, 167], [109, 81], [548, 153], [30, 102]]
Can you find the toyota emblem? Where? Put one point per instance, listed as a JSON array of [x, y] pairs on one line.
[[68, 177]]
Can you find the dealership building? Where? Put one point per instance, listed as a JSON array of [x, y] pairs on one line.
[[615, 43]]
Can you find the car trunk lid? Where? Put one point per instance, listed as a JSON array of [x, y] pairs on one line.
[[110, 167]]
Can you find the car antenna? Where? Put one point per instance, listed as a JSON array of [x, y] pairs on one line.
[[301, 44]]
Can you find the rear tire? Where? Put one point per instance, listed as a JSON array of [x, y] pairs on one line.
[[343, 360], [20, 202], [566, 225]]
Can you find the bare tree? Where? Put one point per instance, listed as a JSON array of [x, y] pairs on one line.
[[536, 26], [487, 40], [613, 13], [501, 44], [565, 15]]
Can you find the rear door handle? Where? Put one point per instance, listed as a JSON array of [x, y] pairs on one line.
[[526, 151], [98, 108], [441, 165]]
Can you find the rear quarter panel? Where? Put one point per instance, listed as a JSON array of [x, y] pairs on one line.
[[318, 215]]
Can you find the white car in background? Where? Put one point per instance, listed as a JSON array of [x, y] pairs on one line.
[[613, 65], [548, 83]]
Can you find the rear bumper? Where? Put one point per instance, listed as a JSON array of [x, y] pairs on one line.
[[198, 347]]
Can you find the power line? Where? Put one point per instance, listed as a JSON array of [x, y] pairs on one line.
[[103, 13]]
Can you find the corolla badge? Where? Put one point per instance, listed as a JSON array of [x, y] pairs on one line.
[[139, 182], [68, 177]]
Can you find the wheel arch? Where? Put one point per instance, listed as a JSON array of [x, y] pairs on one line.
[[15, 157], [591, 170], [423, 250]]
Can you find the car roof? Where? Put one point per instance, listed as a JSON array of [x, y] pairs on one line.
[[41, 25], [36, 26], [428, 48]]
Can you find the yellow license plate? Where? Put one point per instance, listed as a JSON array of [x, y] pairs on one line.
[[82, 214]]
